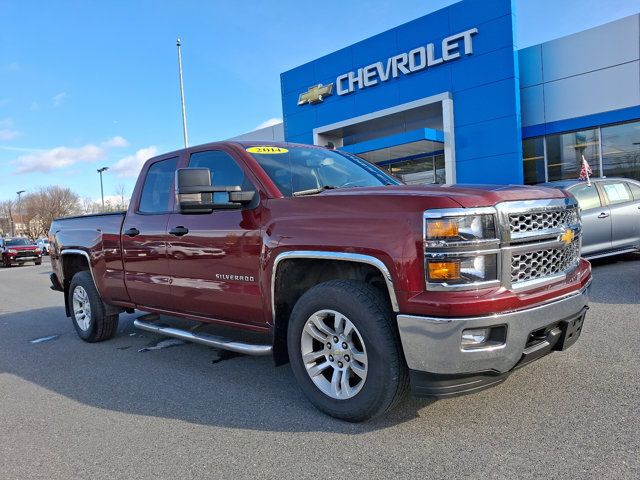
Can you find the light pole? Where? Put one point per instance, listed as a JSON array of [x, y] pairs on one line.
[[19, 193], [100, 170], [184, 113]]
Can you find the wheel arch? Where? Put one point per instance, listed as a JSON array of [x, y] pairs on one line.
[[73, 261], [326, 266]]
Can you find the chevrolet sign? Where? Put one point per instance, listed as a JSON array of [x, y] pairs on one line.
[[420, 58]]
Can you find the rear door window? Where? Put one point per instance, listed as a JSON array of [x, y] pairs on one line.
[[635, 190], [617, 192], [587, 196], [158, 187]]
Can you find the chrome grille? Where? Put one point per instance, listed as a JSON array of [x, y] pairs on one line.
[[545, 220], [544, 263]]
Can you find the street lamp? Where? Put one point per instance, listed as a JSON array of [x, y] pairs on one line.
[[100, 170], [19, 193]]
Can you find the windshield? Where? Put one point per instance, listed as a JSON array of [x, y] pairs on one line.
[[297, 170], [16, 242]]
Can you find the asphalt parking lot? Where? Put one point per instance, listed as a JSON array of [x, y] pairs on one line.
[[69, 409]]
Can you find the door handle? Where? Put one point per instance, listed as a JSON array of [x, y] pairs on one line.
[[179, 231], [132, 232], [603, 215]]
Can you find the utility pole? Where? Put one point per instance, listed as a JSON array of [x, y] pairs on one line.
[[184, 113], [100, 170], [19, 193]]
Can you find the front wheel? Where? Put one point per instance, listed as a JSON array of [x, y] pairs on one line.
[[88, 311], [345, 350]]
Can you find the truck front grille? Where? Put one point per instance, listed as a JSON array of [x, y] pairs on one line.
[[540, 221], [27, 253], [544, 263]]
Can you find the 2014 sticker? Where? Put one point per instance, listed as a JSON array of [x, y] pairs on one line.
[[267, 150]]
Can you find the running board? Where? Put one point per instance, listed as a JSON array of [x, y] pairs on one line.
[[205, 339]]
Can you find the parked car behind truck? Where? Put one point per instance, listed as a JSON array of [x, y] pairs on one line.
[[368, 287], [17, 251], [610, 214]]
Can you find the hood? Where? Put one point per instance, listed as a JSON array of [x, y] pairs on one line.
[[21, 248], [466, 195]]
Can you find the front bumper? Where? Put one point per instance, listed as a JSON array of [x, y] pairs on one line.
[[432, 345]]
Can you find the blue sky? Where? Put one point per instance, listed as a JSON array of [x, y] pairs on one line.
[[90, 84]]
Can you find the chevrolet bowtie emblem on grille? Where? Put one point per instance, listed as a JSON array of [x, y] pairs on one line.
[[315, 94], [567, 237]]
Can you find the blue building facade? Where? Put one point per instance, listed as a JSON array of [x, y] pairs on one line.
[[448, 98]]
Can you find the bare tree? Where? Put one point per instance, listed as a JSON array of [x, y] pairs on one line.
[[7, 211], [40, 208]]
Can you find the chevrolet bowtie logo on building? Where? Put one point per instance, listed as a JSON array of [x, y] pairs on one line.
[[315, 94], [567, 237]]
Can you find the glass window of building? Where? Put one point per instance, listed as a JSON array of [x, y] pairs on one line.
[[565, 151], [533, 160], [621, 150], [587, 196]]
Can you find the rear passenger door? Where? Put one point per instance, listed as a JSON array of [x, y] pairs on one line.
[[144, 237], [625, 216], [596, 219]]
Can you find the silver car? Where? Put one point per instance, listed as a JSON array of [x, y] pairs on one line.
[[610, 214]]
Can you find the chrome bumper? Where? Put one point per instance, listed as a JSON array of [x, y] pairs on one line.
[[432, 344]]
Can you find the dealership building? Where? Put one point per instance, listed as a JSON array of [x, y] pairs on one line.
[[449, 98]]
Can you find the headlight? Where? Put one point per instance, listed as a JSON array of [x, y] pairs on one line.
[[12, 252], [467, 228], [462, 270]]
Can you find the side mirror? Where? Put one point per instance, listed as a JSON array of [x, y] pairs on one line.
[[195, 194]]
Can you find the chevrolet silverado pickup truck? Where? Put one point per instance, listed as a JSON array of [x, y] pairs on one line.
[[366, 286]]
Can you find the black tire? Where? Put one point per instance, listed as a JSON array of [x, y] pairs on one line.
[[367, 308], [101, 326], [38, 262], [7, 264]]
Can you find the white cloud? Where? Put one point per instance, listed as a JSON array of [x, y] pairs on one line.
[[131, 165], [58, 157], [115, 142], [8, 134], [269, 123], [58, 99], [6, 130]]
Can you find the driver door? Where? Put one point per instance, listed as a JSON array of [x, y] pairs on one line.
[[214, 258]]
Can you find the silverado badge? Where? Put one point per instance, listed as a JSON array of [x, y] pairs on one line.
[[315, 94]]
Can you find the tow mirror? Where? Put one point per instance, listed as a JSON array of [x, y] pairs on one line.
[[195, 194]]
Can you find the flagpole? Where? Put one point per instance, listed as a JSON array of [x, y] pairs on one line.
[[184, 113]]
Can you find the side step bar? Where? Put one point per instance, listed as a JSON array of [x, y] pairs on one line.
[[205, 339]]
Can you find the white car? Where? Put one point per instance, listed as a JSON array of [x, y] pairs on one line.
[[43, 244]]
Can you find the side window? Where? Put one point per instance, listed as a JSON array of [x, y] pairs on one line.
[[635, 190], [157, 188], [617, 192], [225, 171], [587, 196]]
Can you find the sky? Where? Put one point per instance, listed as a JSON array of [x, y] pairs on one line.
[[86, 84]]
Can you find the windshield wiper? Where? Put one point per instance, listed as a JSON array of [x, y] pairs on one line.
[[313, 191]]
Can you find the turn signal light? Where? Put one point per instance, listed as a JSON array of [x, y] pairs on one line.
[[442, 228], [444, 270]]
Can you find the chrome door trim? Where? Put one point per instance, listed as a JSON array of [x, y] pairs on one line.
[[341, 256]]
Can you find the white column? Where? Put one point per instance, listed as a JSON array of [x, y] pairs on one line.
[[449, 141]]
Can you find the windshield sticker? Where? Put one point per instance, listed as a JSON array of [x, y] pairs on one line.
[[267, 150]]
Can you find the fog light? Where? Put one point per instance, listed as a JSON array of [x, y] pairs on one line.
[[474, 337], [444, 270]]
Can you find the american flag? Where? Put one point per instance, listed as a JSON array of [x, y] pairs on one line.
[[585, 171]]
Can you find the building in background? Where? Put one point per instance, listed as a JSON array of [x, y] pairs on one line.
[[449, 98]]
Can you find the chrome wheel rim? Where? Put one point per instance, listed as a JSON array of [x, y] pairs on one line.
[[81, 308], [334, 354]]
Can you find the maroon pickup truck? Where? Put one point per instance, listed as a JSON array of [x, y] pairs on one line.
[[366, 286]]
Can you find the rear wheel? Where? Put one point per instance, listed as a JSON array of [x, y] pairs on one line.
[[345, 350], [88, 311]]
